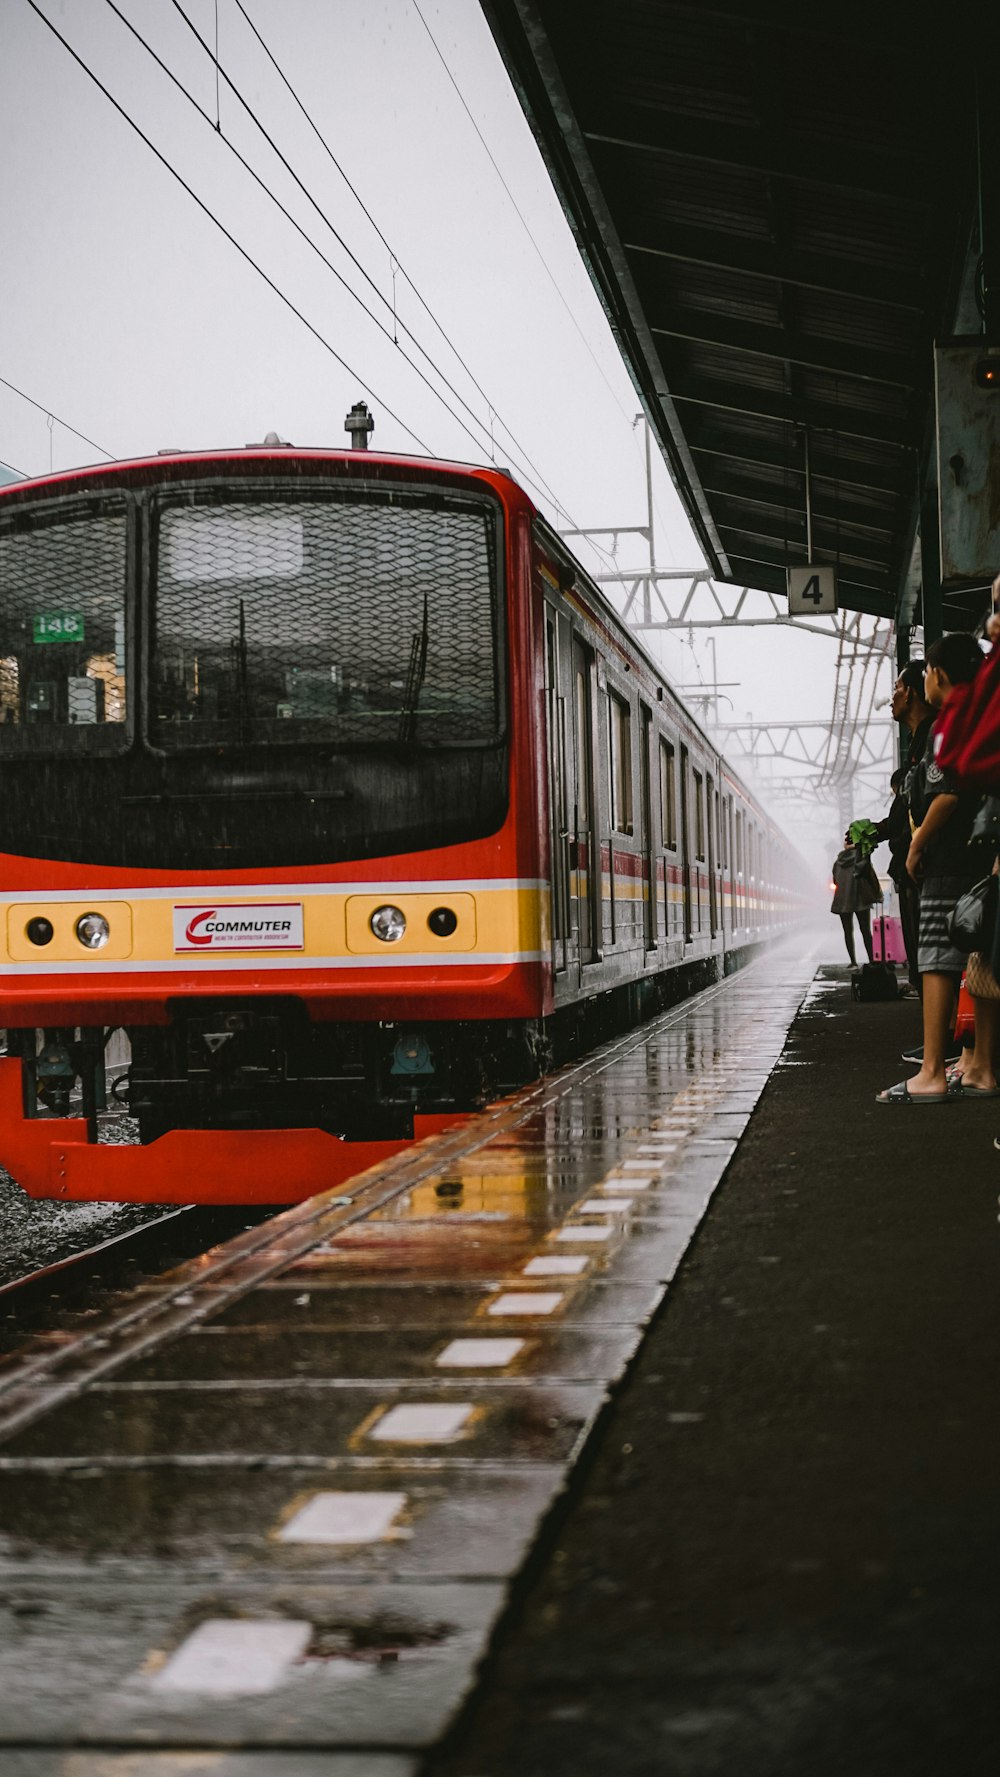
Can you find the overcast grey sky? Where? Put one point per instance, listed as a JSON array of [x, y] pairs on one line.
[[129, 314]]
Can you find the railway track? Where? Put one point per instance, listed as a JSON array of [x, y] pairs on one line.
[[49, 1297], [336, 1438]]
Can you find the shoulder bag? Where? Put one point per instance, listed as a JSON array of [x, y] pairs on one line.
[[974, 918]]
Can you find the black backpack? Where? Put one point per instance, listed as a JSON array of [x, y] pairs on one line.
[[876, 981]]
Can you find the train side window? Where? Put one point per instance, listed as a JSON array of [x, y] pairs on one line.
[[620, 760], [699, 815], [668, 795]]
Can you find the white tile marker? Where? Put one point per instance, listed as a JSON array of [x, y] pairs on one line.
[[338, 1518], [526, 1302], [227, 1657], [433, 1423], [565, 1265], [478, 1354]]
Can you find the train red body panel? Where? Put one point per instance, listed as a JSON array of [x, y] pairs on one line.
[[335, 785]]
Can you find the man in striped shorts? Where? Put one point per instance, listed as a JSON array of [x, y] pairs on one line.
[[939, 859]]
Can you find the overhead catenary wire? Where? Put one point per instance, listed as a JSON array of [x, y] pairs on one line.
[[241, 250], [282, 207], [545, 264], [395, 262], [40, 405], [535, 479]]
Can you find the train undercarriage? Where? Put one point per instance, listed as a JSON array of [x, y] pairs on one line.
[[239, 1065], [248, 1101]]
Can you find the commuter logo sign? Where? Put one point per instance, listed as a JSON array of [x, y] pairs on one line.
[[207, 926]]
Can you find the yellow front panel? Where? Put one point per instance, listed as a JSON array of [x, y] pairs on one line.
[[361, 940], [65, 946], [507, 922]]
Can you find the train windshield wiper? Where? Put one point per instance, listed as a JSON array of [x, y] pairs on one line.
[[416, 672]]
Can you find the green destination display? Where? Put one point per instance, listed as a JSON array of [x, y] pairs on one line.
[[57, 626]]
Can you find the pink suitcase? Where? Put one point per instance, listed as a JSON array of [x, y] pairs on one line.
[[887, 941]]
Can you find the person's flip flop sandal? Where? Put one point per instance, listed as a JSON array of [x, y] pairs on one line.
[[961, 1091], [901, 1094]]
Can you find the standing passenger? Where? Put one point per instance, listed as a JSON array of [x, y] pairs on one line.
[[939, 860], [910, 707], [855, 888], [895, 830]]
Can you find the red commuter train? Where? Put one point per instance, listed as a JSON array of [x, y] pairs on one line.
[[332, 781]]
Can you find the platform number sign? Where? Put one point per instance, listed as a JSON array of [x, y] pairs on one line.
[[57, 626], [812, 591]]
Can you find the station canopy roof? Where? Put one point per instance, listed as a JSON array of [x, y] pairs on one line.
[[775, 204]]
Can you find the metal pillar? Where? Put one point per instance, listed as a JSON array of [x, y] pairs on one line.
[[930, 565], [988, 130]]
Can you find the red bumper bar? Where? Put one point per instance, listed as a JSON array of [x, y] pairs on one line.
[[51, 1157]]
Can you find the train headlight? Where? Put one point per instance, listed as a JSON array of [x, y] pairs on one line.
[[93, 931], [388, 923]]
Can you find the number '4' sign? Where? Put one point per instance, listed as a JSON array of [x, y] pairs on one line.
[[811, 590]]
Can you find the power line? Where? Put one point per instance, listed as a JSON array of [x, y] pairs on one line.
[[545, 264], [394, 259], [204, 115], [47, 410], [262, 183], [536, 479], [242, 251]]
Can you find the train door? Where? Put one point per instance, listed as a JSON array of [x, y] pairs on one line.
[[646, 841], [668, 833], [686, 847], [619, 925], [699, 850], [713, 887], [725, 859], [555, 705], [585, 880]]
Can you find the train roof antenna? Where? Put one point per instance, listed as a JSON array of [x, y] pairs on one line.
[[360, 425]]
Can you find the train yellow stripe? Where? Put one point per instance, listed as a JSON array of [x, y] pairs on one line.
[[509, 923]]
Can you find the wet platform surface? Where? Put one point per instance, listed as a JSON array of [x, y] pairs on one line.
[[785, 1557], [266, 1516]]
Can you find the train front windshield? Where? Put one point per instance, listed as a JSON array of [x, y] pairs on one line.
[[349, 621], [200, 647]]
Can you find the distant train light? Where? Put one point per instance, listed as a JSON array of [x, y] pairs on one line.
[[988, 371], [93, 930], [388, 923]]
